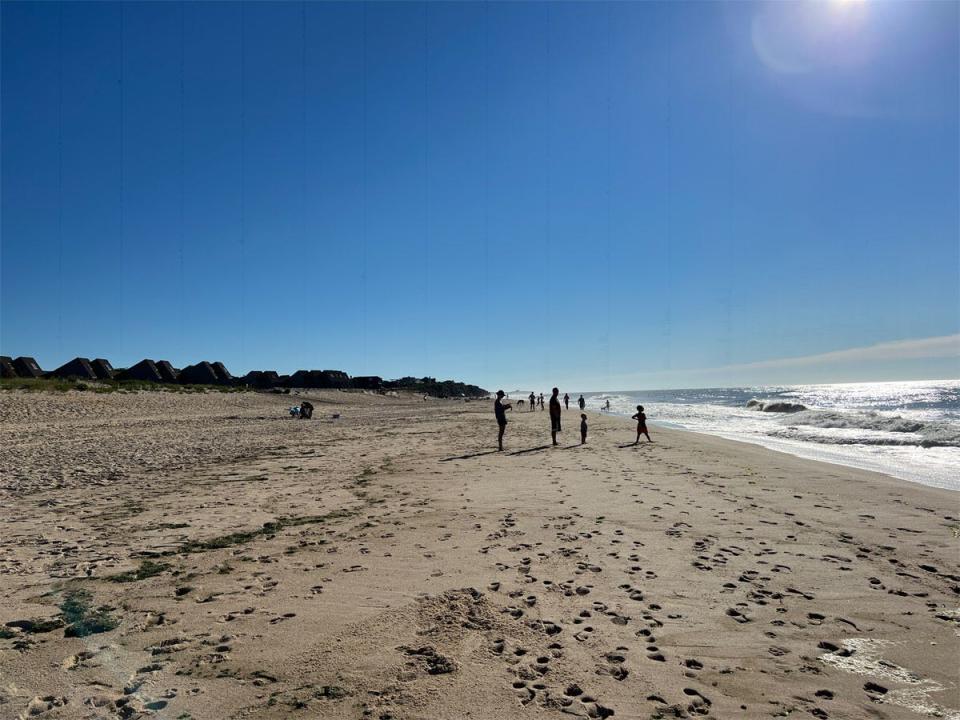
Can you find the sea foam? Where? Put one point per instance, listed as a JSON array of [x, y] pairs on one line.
[[903, 431]]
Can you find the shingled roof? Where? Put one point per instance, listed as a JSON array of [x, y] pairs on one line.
[[168, 373], [200, 374], [79, 368], [6, 367], [102, 368], [223, 375], [27, 367], [145, 370]]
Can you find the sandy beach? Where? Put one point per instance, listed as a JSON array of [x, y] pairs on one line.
[[204, 556]]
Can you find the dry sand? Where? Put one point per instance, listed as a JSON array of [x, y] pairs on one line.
[[389, 565]]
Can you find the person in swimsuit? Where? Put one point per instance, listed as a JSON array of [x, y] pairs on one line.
[[555, 415], [582, 403], [533, 401], [566, 401], [500, 411], [641, 424], [583, 428], [541, 401]]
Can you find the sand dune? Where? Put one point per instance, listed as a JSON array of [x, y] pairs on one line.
[[206, 557]]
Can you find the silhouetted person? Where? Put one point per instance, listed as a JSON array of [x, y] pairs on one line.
[[583, 428], [533, 402], [641, 424], [582, 403], [566, 401], [555, 414], [500, 411], [541, 401], [607, 406]]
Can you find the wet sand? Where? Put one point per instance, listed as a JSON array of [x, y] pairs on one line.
[[206, 557]]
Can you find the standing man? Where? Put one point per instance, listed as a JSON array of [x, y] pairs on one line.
[[500, 411], [533, 401], [582, 403], [566, 401], [555, 414], [541, 402]]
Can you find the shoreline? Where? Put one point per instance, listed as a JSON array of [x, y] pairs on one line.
[[812, 452], [797, 451], [392, 563]]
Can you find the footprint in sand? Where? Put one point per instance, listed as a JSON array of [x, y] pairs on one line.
[[699, 704], [42, 705]]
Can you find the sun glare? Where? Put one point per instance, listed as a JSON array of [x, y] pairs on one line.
[[797, 38]]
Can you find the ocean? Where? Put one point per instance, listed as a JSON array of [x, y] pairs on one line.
[[910, 430]]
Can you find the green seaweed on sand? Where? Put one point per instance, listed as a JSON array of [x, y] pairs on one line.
[[269, 529], [82, 618], [147, 569]]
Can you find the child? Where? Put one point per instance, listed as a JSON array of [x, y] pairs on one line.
[[641, 424], [583, 428]]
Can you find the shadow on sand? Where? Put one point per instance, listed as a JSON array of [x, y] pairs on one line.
[[530, 450], [471, 455]]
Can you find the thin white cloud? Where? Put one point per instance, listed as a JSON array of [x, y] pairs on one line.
[[852, 364], [944, 346]]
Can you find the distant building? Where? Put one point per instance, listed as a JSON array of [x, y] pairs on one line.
[[6, 367], [27, 367], [261, 378], [305, 379], [144, 371], [337, 379], [102, 369], [223, 375], [323, 379], [200, 374], [168, 373], [77, 368], [368, 382]]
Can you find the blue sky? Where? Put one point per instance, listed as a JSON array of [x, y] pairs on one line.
[[600, 194]]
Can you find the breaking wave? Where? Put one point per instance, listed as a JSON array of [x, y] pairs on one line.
[[775, 406], [910, 432]]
